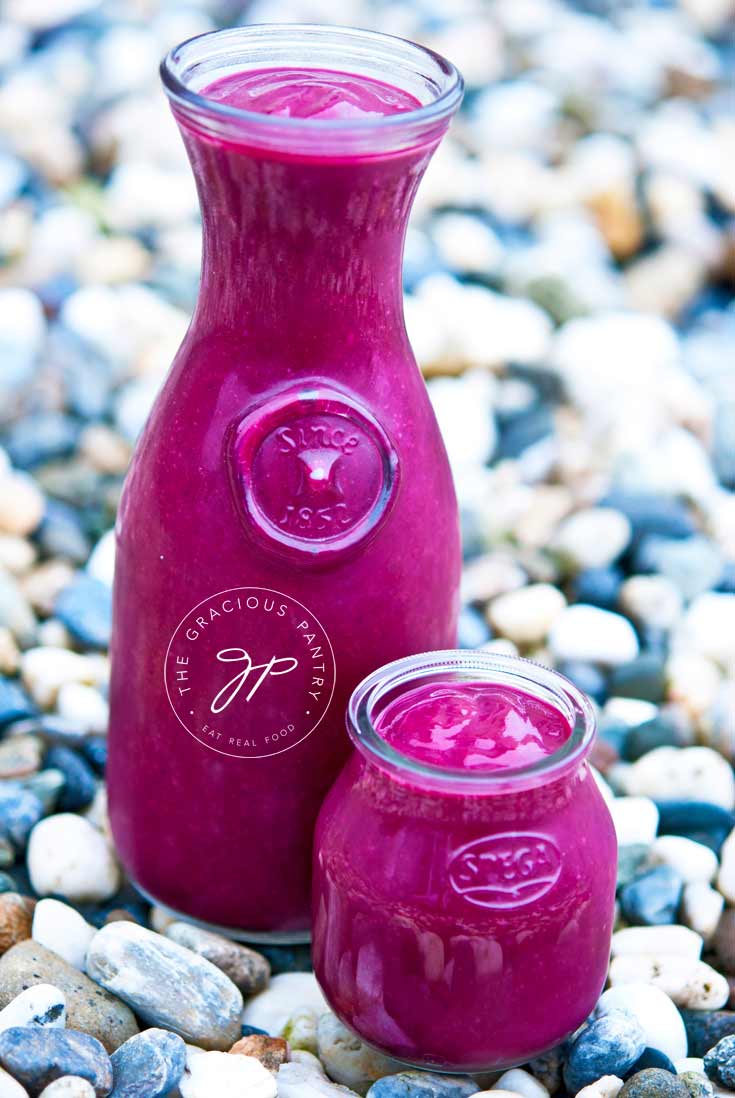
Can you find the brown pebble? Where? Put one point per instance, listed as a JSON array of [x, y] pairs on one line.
[[120, 915], [16, 919], [249, 971], [724, 941], [271, 1051]]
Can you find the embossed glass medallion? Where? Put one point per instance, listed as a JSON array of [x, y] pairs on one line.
[[315, 472]]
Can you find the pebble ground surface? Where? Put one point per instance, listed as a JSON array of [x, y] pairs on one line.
[[569, 273]]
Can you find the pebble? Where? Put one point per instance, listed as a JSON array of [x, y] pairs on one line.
[[14, 702], [652, 898], [68, 1086], [20, 756], [16, 918], [724, 941], [583, 632], [83, 706], [726, 876], [719, 1062], [21, 504], [660, 731], [652, 601], [709, 626], [41, 1005], [661, 1022], [346, 1059], [20, 811], [306, 1079], [525, 616], [216, 1074], [69, 857], [676, 941], [697, 1084], [79, 785], [706, 823], [60, 928], [422, 1084], [518, 1081], [688, 983], [10, 1088], [692, 861], [270, 1051], [706, 1027], [272, 1010], [652, 1058], [147, 971], [692, 773], [89, 1008], [36, 1056], [592, 538], [654, 1083], [148, 1065], [609, 1045], [701, 909], [248, 970], [609, 1086], [85, 608]]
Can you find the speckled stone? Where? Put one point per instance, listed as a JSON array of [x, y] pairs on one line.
[[40, 1005], [422, 1084], [36, 1056], [654, 1083], [248, 970], [719, 1063], [149, 972], [90, 1009], [706, 1027], [608, 1046], [148, 1065], [698, 1085], [271, 1051]]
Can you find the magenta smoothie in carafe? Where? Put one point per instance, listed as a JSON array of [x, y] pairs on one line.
[[289, 521], [464, 867]]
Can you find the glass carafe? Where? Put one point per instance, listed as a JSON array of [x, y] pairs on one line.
[[289, 521]]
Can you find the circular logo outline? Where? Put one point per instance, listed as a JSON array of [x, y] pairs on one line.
[[270, 591], [251, 431]]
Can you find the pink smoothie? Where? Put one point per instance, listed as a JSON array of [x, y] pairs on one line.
[[262, 560], [464, 884]]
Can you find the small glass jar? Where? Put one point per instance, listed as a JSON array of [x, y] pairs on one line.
[[462, 919]]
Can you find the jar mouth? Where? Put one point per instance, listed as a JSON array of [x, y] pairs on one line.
[[198, 62], [460, 666]]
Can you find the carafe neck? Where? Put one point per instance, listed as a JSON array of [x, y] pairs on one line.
[[302, 252]]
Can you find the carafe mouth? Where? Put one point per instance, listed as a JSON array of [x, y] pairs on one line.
[[387, 684], [198, 62]]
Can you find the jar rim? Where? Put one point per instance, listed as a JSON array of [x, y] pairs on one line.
[[261, 45], [473, 666]]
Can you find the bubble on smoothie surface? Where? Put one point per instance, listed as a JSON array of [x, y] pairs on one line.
[[318, 94], [473, 726]]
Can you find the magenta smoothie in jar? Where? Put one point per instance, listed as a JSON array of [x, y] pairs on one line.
[[465, 864], [273, 545]]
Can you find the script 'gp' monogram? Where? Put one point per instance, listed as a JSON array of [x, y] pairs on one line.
[[275, 666]]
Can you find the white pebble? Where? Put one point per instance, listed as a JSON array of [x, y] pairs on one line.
[[518, 1081], [689, 1063], [45, 670], [687, 774], [592, 635], [101, 563], [347, 1059], [710, 626], [701, 908], [220, 1074], [69, 1086], [652, 600], [306, 1079], [21, 504], [84, 706], [525, 616], [676, 941], [688, 983], [10, 1087], [694, 862], [40, 1005], [609, 1086], [63, 930], [658, 1017], [592, 538], [69, 857], [635, 820], [726, 876], [287, 993]]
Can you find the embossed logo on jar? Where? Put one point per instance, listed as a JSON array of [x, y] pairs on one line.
[[315, 471], [249, 672], [503, 871]]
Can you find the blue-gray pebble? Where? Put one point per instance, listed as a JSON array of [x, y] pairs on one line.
[[20, 811], [719, 1063], [652, 898], [35, 1056], [652, 1058], [15, 705], [608, 1046], [79, 781], [422, 1084], [148, 1065], [85, 608], [706, 1027]]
